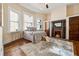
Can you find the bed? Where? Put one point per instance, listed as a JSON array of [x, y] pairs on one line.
[[34, 36]]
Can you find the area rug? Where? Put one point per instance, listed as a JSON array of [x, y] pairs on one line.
[[53, 48]]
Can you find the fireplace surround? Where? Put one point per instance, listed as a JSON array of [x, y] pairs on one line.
[[59, 29]]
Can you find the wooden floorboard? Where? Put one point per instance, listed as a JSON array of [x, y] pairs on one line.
[[12, 49], [76, 47]]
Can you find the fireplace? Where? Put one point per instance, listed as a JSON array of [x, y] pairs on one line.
[[59, 29], [58, 34]]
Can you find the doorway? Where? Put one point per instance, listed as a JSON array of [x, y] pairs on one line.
[[74, 28]]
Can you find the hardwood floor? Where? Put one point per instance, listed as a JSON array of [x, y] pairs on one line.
[[76, 47], [12, 49]]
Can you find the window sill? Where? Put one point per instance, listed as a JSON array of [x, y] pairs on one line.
[[15, 32]]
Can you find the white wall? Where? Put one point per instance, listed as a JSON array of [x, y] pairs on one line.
[[73, 9], [1, 42], [58, 13], [67, 28], [9, 37]]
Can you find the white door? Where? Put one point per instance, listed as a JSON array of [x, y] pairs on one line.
[[1, 44]]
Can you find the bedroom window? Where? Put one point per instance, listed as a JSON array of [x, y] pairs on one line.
[[13, 21], [28, 21], [39, 24]]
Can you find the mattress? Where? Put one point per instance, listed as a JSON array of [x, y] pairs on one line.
[[34, 36]]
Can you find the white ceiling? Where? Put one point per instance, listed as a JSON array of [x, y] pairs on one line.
[[41, 8]]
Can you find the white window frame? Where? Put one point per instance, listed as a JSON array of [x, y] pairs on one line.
[[27, 22], [11, 9], [41, 23]]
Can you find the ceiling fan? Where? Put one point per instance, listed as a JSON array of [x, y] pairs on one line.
[[47, 6]]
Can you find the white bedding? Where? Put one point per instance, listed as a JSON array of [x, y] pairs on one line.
[[34, 36]]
